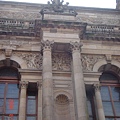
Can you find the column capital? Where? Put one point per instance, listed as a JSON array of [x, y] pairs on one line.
[[39, 84], [23, 84], [47, 44], [97, 87], [75, 45]]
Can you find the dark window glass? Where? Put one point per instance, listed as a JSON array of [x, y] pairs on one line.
[[9, 101], [8, 72], [31, 118], [2, 89], [108, 108], [105, 93], [110, 93], [31, 111]]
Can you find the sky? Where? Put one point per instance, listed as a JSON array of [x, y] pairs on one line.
[[84, 3]]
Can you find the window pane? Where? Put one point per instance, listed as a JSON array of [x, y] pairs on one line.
[[2, 88], [1, 105], [10, 117], [115, 93], [105, 93], [12, 91], [31, 118], [90, 118], [108, 108], [117, 108], [109, 118], [89, 107], [31, 106], [11, 106]]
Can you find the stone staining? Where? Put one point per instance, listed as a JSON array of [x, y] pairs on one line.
[[88, 61], [61, 62], [33, 60]]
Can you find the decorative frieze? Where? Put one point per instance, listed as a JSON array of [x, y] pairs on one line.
[[117, 58], [88, 61], [61, 61], [33, 60]]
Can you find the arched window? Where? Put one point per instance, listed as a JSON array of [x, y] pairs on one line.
[[9, 93], [110, 93]]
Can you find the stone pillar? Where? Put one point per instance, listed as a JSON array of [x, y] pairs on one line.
[[100, 110], [80, 94], [39, 101], [47, 85], [22, 107]]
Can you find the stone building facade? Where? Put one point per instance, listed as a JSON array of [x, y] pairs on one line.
[[59, 62]]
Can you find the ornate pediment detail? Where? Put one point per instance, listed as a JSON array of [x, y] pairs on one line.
[[57, 7]]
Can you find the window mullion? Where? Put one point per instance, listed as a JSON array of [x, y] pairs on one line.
[[112, 101]]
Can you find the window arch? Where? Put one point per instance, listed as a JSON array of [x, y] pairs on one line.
[[110, 92], [9, 91]]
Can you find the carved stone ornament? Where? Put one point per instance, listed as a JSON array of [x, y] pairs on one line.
[[57, 7], [117, 58], [33, 60], [97, 87], [39, 84], [8, 53], [61, 62], [23, 84], [47, 44], [88, 61], [75, 45]]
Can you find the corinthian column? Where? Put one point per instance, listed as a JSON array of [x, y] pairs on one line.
[[47, 85], [22, 106], [100, 110], [81, 106]]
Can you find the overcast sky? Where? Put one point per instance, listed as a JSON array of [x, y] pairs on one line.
[[87, 3]]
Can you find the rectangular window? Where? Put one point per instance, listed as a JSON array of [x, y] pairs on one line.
[[31, 109]]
